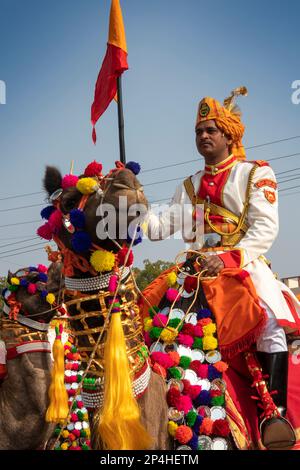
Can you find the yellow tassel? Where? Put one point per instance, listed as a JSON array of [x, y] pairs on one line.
[[58, 408], [118, 423]]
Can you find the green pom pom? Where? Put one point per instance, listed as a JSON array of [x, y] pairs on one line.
[[82, 433], [74, 349], [57, 431], [80, 415], [74, 405], [174, 323], [85, 447], [13, 288], [155, 332], [57, 448], [218, 401], [153, 311], [144, 351], [185, 362], [175, 373], [191, 418], [197, 344]]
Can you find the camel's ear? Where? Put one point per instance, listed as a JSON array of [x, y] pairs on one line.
[[9, 276], [52, 179]]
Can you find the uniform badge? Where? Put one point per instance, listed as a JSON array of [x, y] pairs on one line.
[[266, 182], [270, 196], [204, 109]]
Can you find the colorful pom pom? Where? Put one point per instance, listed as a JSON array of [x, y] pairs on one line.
[[148, 323], [163, 359], [69, 181], [204, 313], [172, 295], [171, 279], [221, 427], [191, 418], [24, 283], [184, 362], [15, 281], [209, 343], [206, 427], [184, 403], [122, 254], [81, 241], [175, 357], [43, 277], [173, 396], [31, 288], [86, 185], [93, 169], [77, 218], [42, 268], [45, 231], [160, 320], [172, 427], [102, 260], [197, 344], [186, 340], [169, 335], [209, 329], [113, 283], [190, 284], [183, 434], [50, 298], [55, 221], [221, 366], [203, 398], [47, 211], [160, 370], [134, 167], [155, 332]]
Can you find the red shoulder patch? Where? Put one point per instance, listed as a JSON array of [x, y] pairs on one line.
[[260, 162]]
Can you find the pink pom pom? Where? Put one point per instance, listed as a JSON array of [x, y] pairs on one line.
[[122, 254], [113, 283], [160, 320], [69, 181], [42, 268], [93, 169], [147, 339], [198, 331], [186, 340], [194, 391], [184, 403], [31, 288], [162, 359], [172, 295], [55, 221], [45, 231]]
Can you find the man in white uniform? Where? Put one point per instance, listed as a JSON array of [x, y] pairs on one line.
[[240, 225]]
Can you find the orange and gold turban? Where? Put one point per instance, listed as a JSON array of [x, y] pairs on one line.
[[227, 118]]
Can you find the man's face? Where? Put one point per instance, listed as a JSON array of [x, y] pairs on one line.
[[210, 141]]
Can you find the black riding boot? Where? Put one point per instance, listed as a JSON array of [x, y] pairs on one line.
[[277, 432]]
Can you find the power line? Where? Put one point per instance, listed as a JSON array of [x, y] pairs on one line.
[[21, 207], [21, 253], [21, 195], [20, 241], [22, 247], [20, 223]]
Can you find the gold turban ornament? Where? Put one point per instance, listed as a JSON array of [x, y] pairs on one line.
[[226, 117]]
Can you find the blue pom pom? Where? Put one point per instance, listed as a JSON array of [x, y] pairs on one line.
[[204, 313], [193, 443], [77, 218], [203, 398], [43, 277], [197, 424], [32, 269], [24, 283], [47, 211], [134, 167], [44, 293], [81, 241], [213, 373]]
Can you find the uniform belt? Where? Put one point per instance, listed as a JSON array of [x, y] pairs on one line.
[[214, 239]]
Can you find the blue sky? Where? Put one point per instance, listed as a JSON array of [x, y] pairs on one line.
[[50, 54]]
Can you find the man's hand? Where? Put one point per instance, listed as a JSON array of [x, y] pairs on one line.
[[213, 264]]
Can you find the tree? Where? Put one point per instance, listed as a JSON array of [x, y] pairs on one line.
[[150, 271]]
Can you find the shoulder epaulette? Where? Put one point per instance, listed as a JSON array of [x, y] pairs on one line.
[[259, 162]]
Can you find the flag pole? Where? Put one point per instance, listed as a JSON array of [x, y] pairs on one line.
[[121, 121]]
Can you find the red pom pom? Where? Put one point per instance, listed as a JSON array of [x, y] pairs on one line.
[[76, 432], [172, 295], [188, 329], [93, 169], [186, 340], [190, 284], [45, 231], [55, 221], [204, 321], [200, 369], [194, 391], [183, 434], [173, 396], [215, 393], [160, 320], [122, 256], [163, 359], [198, 331], [184, 403], [74, 417], [221, 427], [186, 386]]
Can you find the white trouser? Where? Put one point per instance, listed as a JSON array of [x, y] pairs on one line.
[[272, 338]]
